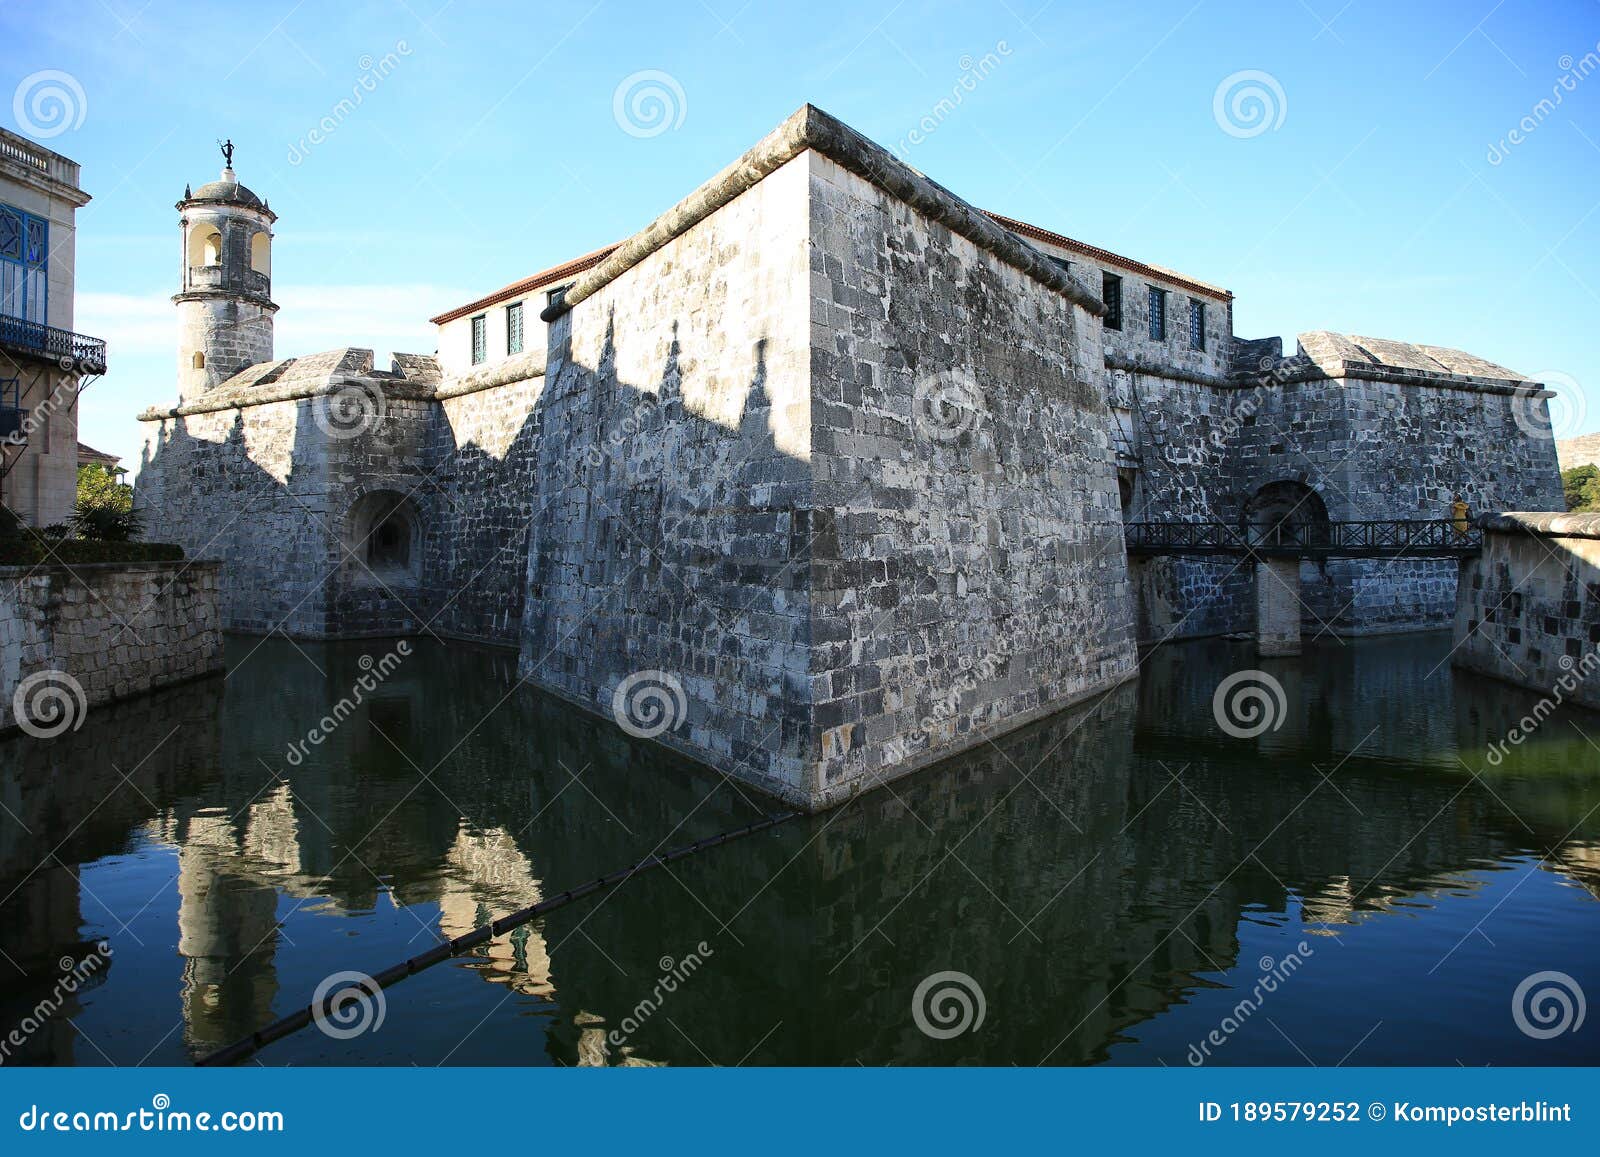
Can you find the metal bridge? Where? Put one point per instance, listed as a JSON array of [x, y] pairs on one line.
[[1416, 538]]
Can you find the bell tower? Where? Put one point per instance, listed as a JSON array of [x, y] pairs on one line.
[[225, 303]]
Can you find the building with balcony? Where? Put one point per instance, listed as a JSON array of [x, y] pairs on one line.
[[43, 363]]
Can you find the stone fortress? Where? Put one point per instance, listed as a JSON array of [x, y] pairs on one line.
[[835, 463]]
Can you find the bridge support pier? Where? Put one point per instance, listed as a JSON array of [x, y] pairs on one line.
[[1277, 606]]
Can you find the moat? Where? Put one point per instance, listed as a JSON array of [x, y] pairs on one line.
[[1115, 879]]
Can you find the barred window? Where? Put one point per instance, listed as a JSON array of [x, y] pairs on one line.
[[1197, 324], [1111, 294], [1158, 314], [480, 339], [514, 328]]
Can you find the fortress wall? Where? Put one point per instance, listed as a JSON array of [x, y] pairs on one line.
[[232, 485], [485, 452], [1184, 432], [386, 459], [1528, 608], [969, 570], [1398, 450], [271, 490], [671, 526], [1186, 598], [1389, 450]]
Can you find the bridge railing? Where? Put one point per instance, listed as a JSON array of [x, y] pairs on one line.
[[1391, 538]]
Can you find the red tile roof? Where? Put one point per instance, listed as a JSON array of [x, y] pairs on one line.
[[544, 277]]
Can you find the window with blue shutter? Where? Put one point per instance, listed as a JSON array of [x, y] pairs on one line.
[[24, 265]]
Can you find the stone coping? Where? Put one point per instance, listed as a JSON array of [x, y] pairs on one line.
[[1542, 524], [524, 367], [1300, 369], [811, 128], [1291, 373], [289, 392]]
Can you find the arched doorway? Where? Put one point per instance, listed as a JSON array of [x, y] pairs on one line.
[[383, 535], [1287, 513]]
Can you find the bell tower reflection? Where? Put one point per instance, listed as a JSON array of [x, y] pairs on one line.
[[228, 917]]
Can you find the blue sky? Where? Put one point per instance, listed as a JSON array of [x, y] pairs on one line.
[[1368, 202]]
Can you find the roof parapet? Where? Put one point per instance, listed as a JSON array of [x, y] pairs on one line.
[[811, 128]]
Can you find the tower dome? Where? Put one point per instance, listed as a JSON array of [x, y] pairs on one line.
[[224, 301], [226, 190]]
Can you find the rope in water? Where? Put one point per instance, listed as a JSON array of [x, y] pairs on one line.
[[295, 1021]]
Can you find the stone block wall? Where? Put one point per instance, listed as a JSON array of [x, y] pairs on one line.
[[671, 519], [1528, 609], [1184, 598], [247, 486], [388, 462], [278, 491], [1387, 449], [1183, 432], [1370, 449], [117, 629], [1378, 596], [968, 569], [231, 334], [1375, 450], [481, 478]]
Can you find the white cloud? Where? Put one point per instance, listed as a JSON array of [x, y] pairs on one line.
[[128, 323]]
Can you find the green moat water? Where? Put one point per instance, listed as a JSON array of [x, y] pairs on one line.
[[1115, 880]]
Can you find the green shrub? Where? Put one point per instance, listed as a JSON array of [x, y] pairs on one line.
[[104, 510], [1581, 486]]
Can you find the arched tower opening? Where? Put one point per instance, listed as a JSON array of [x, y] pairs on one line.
[[261, 252]]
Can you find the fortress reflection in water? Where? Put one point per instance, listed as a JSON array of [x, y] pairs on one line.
[[1094, 871]]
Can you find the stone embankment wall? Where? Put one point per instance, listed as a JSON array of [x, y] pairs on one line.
[[1528, 609], [112, 629], [1378, 449]]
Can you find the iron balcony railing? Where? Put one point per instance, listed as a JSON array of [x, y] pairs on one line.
[[1419, 538], [86, 355]]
